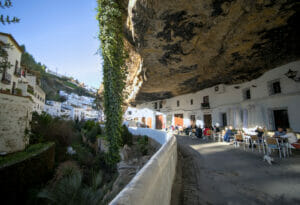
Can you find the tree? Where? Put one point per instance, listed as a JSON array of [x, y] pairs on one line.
[[5, 19], [111, 36]]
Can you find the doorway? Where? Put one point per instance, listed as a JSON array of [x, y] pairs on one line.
[[281, 118], [149, 122], [207, 120], [193, 119], [159, 122], [178, 119], [143, 120], [13, 88]]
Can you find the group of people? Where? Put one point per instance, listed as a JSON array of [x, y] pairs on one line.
[[280, 133], [200, 132]]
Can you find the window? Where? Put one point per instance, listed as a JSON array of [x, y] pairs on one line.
[[224, 119], [206, 99], [247, 94], [155, 105], [192, 101], [274, 87], [160, 105], [16, 66], [178, 103]]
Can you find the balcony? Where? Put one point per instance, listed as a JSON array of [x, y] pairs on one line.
[[30, 89], [6, 78], [205, 106]]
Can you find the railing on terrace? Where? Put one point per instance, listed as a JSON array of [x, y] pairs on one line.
[[205, 106], [30, 89]]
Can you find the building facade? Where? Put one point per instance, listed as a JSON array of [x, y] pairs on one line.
[[270, 101]]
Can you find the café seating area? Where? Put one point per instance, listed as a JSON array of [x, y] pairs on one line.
[[267, 144]]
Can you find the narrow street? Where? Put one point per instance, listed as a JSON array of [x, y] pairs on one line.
[[217, 173]]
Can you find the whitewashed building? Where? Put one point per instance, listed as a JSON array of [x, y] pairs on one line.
[[75, 107], [53, 108], [271, 101]]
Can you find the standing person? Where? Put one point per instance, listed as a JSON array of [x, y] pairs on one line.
[[199, 132]]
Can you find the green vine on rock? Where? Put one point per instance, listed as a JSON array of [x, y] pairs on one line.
[[112, 47]]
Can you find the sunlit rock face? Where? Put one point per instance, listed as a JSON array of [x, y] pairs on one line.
[[181, 46]]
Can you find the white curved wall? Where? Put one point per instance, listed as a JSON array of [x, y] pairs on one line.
[[153, 183]]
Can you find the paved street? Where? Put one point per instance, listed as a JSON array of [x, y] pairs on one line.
[[217, 173]]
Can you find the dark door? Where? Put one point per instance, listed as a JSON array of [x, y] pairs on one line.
[[149, 122], [224, 119], [144, 120], [13, 88], [159, 122], [207, 120], [178, 118], [281, 118], [193, 119]]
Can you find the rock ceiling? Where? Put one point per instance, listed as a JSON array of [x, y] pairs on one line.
[[180, 46]]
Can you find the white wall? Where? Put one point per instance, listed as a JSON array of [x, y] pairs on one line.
[[153, 183], [231, 102]]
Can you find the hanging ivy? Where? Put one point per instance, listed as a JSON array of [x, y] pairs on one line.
[[112, 47]]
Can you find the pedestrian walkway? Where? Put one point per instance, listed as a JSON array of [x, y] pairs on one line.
[[218, 173]]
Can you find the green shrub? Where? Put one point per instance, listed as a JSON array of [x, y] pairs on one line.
[[143, 144], [126, 136], [88, 125]]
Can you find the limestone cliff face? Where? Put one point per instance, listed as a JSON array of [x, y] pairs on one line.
[[181, 46]]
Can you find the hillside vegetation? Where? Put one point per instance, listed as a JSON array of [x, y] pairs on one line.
[[50, 83]]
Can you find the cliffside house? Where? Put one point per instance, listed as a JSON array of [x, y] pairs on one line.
[[269, 101], [17, 97]]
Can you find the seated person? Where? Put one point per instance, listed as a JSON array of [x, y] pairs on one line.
[[280, 132], [228, 134], [259, 132], [216, 129], [207, 131], [291, 137]]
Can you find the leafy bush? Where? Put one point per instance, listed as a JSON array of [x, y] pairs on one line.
[[71, 190], [143, 144], [126, 136], [88, 125]]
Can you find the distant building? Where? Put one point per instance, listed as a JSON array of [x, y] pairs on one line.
[[75, 107]]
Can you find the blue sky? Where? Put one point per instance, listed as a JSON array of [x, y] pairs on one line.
[[61, 34]]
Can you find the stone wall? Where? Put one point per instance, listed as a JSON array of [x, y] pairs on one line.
[[19, 177], [15, 115], [153, 183]]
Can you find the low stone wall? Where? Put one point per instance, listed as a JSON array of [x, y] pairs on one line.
[[153, 183], [18, 177], [15, 115]]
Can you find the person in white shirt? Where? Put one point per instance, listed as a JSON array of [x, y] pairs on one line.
[[291, 137]]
